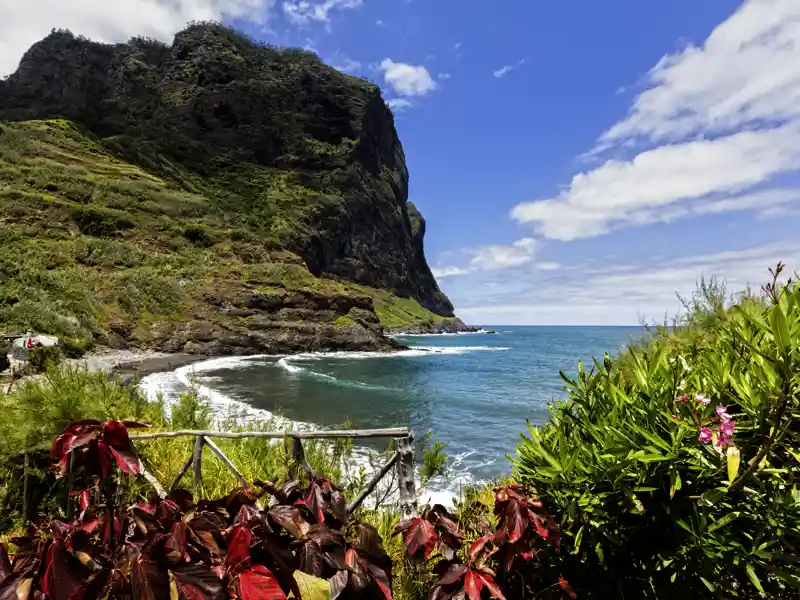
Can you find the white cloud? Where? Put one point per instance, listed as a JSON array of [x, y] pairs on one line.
[[505, 70], [548, 266], [498, 256], [622, 294], [407, 80], [724, 84], [399, 104], [444, 76], [27, 22], [344, 63], [717, 126], [380, 23], [303, 11], [441, 272]]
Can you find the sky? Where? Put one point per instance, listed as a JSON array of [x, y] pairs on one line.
[[577, 162]]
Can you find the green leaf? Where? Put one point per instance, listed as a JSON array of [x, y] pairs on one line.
[[708, 584], [711, 497], [780, 328], [733, 460], [724, 521], [754, 578], [674, 483], [578, 539], [312, 588]]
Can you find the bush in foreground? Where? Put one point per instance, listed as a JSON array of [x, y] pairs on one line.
[[302, 544], [672, 469]]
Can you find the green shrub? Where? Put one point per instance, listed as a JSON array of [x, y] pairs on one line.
[[101, 222], [654, 497]]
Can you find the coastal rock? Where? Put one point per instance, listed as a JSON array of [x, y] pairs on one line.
[[440, 326]]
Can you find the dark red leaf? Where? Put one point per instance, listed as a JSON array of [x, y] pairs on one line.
[[182, 499], [381, 579], [478, 547], [473, 584], [419, 535], [148, 580], [315, 500], [198, 582], [514, 520], [339, 506], [567, 587], [291, 519], [63, 575], [115, 434], [84, 498], [239, 548], [491, 585], [310, 558], [258, 583], [248, 513], [175, 545], [5, 563], [338, 582], [453, 575]]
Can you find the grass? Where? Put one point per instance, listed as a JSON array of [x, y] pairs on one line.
[[88, 240]]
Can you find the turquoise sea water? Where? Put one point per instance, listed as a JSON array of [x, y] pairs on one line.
[[472, 391]]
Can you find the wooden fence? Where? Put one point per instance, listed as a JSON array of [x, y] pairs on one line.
[[402, 459]]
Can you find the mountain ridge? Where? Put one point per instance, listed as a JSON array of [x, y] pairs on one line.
[[230, 157]]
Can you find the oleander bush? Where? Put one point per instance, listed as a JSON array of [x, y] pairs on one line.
[[672, 468]]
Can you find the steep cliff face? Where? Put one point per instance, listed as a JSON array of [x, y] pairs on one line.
[[287, 151]]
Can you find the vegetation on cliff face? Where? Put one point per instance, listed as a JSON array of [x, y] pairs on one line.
[[252, 189]]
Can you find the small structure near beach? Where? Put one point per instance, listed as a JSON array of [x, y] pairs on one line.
[[21, 346]]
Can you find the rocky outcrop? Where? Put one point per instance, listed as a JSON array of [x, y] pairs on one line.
[[264, 321], [438, 326], [213, 106]]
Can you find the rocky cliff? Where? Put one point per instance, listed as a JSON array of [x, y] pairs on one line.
[[224, 108], [212, 196]]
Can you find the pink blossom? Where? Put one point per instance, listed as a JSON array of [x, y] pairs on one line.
[[682, 398], [722, 413], [726, 428], [701, 399], [706, 435], [723, 442]]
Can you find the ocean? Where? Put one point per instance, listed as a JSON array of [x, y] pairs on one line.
[[473, 391]]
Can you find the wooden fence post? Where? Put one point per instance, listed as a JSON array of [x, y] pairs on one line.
[[405, 478], [197, 462]]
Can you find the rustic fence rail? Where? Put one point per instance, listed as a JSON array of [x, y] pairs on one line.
[[402, 458]]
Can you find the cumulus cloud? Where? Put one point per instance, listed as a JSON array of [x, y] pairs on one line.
[[617, 294], [712, 131], [399, 104], [117, 21], [500, 256], [407, 80], [506, 69], [441, 272], [303, 11]]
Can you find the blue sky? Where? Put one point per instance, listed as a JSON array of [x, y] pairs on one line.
[[577, 162]]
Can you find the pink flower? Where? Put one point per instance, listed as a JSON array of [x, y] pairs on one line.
[[682, 398], [706, 435], [701, 399], [723, 442], [722, 413], [726, 428]]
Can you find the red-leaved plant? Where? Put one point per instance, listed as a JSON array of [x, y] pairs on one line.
[[499, 564], [174, 548]]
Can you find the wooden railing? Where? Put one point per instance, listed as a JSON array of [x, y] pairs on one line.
[[402, 459]]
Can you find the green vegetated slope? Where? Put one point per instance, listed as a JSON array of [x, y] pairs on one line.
[[214, 195], [95, 248]]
